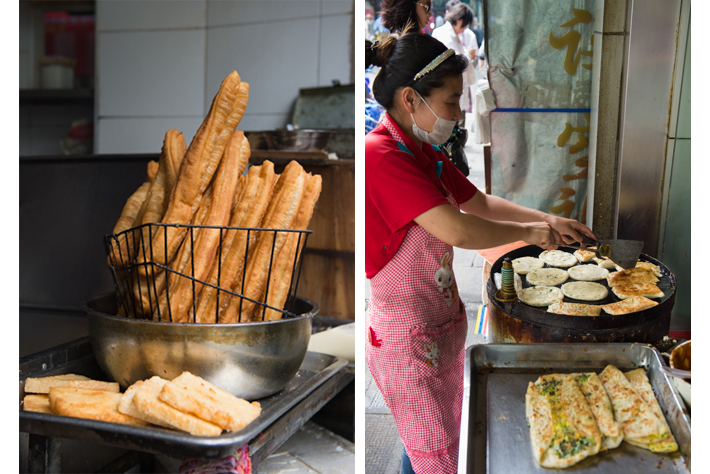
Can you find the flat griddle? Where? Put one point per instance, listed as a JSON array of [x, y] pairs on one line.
[[495, 438]]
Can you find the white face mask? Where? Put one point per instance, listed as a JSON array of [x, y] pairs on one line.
[[441, 132]]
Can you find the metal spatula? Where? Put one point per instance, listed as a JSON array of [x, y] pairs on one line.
[[624, 253]]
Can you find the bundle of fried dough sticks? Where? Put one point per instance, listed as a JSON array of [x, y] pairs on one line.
[[176, 271]]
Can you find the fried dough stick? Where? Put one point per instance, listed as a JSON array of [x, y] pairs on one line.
[[153, 209], [248, 211], [207, 241], [282, 270], [122, 252], [200, 163], [282, 210]]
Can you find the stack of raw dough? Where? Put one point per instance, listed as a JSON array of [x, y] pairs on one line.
[[573, 416], [205, 185]]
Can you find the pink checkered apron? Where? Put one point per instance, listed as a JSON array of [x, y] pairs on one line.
[[416, 332]]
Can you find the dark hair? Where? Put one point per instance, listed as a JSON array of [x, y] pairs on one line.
[[450, 4], [460, 11], [400, 59], [399, 16]]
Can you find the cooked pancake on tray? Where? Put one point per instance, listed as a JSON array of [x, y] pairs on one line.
[[598, 400], [639, 421], [563, 430]]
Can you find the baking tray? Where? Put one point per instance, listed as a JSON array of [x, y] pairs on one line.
[[495, 438], [77, 357]]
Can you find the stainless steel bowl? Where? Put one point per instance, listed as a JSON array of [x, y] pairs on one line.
[[250, 360]]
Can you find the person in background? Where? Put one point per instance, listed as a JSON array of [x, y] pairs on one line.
[[369, 27], [456, 35], [418, 206], [401, 16], [379, 28], [477, 30]]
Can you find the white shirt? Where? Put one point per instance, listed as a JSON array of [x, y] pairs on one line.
[[462, 44]]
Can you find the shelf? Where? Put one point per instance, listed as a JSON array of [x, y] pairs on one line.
[[56, 96]]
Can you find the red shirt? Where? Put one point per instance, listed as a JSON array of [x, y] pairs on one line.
[[401, 183]]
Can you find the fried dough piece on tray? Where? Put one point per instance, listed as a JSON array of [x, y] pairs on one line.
[[36, 402], [207, 241], [249, 208], [283, 207], [44, 384], [92, 404], [149, 407], [200, 163], [282, 271], [192, 394]]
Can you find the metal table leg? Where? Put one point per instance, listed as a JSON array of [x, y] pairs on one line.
[[45, 454]]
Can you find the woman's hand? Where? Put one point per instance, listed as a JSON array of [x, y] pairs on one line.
[[542, 235], [569, 230]]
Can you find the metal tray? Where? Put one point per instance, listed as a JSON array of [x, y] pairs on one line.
[[77, 357], [495, 437]]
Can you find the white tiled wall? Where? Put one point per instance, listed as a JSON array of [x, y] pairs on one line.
[[160, 63]]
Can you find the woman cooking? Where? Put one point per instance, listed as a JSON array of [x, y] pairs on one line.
[[418, 207]]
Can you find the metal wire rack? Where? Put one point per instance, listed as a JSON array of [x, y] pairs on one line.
[[140, 285]]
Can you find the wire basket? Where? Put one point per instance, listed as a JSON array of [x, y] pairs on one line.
[[172, 288]]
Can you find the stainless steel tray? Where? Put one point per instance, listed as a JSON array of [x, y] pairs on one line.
[[495, 437], [77, 357]]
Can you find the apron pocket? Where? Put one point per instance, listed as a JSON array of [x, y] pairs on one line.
[[435, 349]]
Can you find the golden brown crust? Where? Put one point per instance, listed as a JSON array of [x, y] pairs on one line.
[[92, 404], [147, 404], [282, 210], [282, 272], [248, 211], [629, 305], [201, 161], [152, 170], [44, 384], [574, 309], [36, 402], [207, 240], [649, 290], [192, 394], [632, 275]]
